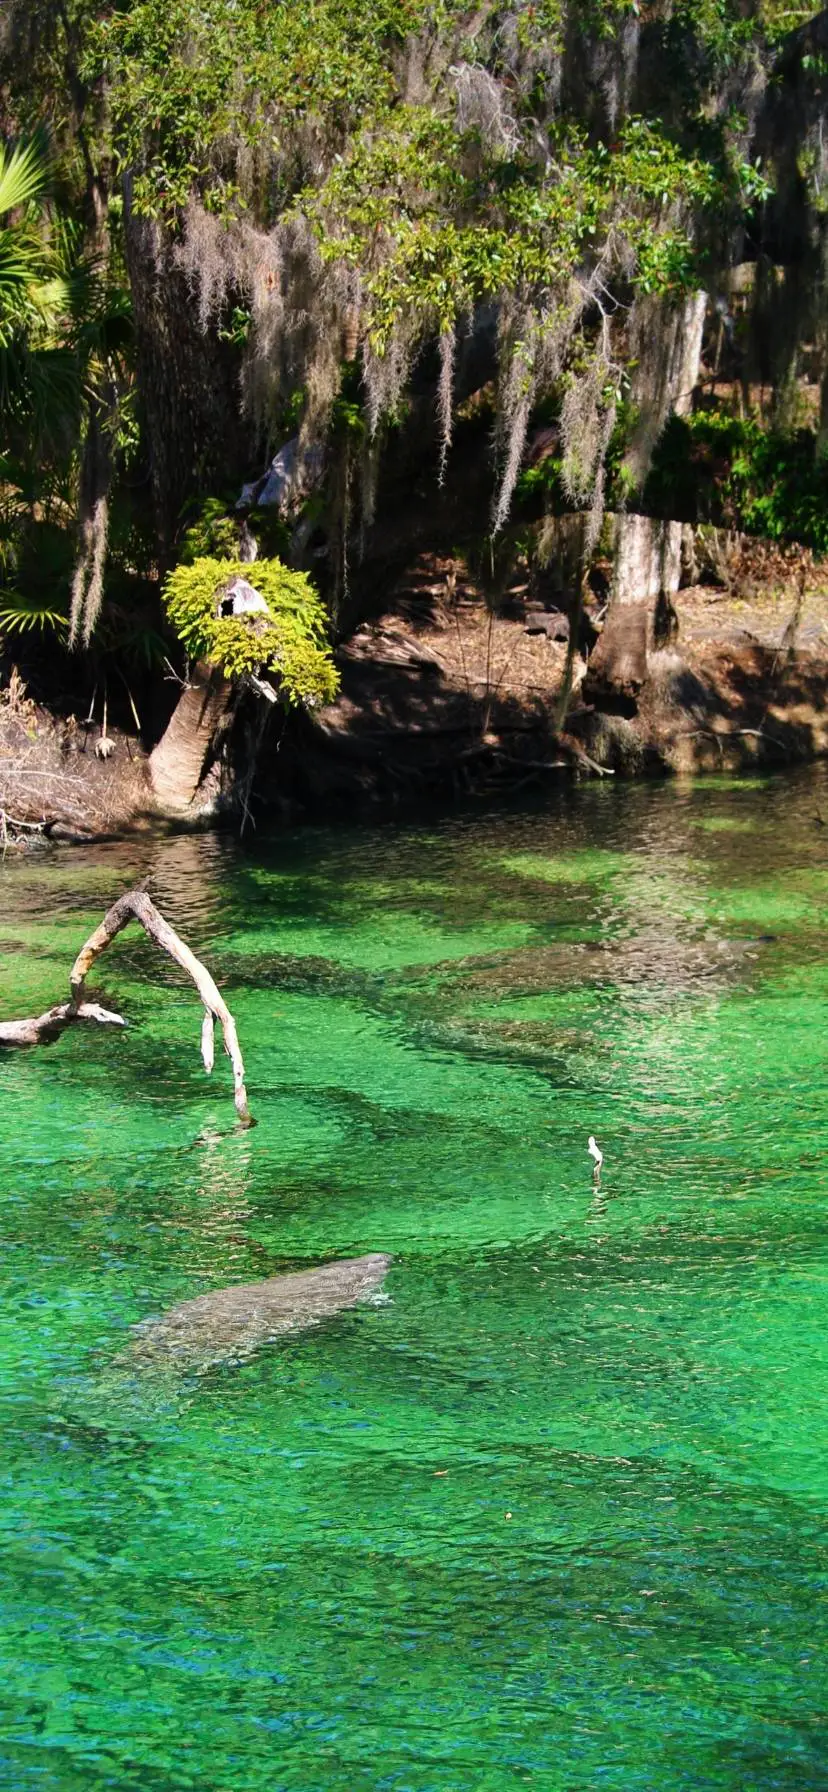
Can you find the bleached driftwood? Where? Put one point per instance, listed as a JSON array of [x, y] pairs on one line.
[[136, 906], [44, 1028]]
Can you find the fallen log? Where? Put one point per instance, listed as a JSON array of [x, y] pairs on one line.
[[136, 905]]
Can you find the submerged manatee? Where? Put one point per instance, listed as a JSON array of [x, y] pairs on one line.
[[233, 1322]]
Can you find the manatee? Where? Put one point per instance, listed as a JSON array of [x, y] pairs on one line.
[[231, 1323]]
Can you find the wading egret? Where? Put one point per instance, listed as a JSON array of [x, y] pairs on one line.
[[596, 1152]]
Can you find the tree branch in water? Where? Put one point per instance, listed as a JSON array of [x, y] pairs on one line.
[[136, 906]]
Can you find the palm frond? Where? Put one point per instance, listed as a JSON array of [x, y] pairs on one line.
[[21, 615], [20, 252], [21, 260], [40, 394], [33, 293], [24, 173], [101, 313]]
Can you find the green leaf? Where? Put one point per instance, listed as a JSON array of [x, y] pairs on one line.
[[20, 615]]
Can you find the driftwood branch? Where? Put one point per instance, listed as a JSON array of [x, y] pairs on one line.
[[136, 906], [45, 1028]]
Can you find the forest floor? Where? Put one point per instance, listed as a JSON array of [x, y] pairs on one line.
[[438, 691], [57, 781]]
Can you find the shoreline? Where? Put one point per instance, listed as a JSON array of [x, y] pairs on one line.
[[443, 701]]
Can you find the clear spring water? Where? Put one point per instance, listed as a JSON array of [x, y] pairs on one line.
[[554, 1512]]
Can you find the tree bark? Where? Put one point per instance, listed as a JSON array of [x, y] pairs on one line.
[[647, 551], [177, 764], [188, 381], [647, 563]]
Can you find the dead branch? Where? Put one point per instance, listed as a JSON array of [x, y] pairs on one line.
[[137, 906], [13, 830], [45, 1028], [581, 758], [724, 734]]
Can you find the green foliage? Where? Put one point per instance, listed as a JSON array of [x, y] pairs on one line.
[[734, 472], [181, 110], [174, 71], [65, 396], [291, 641], [31, 292], [710, 467], [27, 614], [432, 163], [214, 535], [433, 240], [65, 322], [779, 17], [365, 179]]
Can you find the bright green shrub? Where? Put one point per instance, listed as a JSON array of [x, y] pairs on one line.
[[290, 642]]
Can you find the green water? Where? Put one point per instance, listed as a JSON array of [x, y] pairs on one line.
[[554, 1512]]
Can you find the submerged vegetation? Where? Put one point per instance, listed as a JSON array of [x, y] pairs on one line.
[[225, 228]]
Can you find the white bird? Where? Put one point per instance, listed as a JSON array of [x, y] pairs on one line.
[[596, 1152]]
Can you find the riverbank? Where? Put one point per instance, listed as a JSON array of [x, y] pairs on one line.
[[440, 699], [440, 693], [62, 779]]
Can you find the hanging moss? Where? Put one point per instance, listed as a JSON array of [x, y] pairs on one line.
[[289, 641], [330, 196]]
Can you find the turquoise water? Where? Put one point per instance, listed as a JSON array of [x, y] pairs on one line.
[[554, 1512]]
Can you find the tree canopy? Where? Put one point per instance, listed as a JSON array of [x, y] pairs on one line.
[[257, 218]]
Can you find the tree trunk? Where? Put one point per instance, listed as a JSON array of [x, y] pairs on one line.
[[647, 551], [647, 564], [687, 347], [177, 764], [188, 382]]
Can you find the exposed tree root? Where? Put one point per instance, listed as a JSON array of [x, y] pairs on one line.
[[136, 905]]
